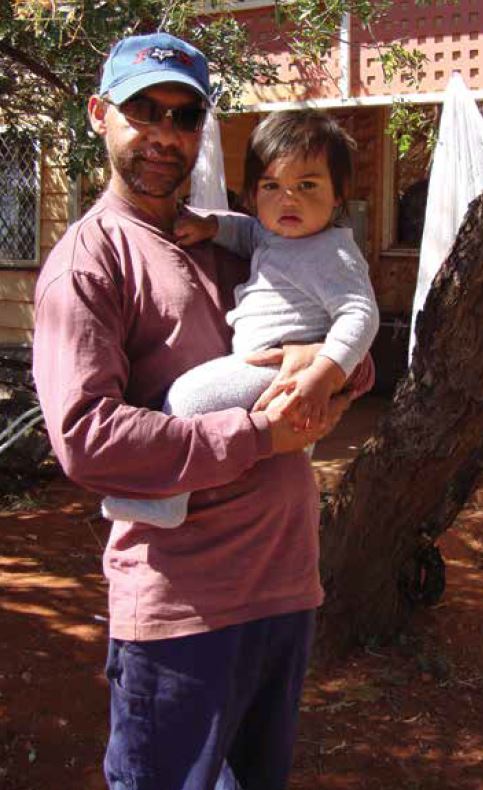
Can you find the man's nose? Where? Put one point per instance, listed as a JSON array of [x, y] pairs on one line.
[[163, 131]]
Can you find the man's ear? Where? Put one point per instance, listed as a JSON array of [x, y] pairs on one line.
[[97, 114]]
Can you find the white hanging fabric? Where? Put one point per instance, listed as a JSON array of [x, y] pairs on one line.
[[456, 179], [208, 186]]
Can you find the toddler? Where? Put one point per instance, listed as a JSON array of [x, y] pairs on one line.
[[308, 282]]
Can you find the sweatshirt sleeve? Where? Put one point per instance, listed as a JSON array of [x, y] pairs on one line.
[[345, 290], [81, 372], [239, 233]]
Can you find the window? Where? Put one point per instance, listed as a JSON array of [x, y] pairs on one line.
[[406, 189], [19, 199], [411, 192]]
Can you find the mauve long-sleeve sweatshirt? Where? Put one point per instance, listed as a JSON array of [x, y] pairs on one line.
[[121, 312]]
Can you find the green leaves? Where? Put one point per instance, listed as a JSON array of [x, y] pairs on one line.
[[314, 27], [409, 123], [408, 64], [234, 60], [51, 52]]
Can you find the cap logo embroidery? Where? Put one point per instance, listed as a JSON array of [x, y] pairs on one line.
[[163, 54]]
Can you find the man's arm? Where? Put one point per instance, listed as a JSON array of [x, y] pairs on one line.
[[104, 444]]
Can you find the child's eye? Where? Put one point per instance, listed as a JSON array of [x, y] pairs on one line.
[[304, 185], [269, 186]]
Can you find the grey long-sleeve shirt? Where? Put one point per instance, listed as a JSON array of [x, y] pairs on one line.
[[301, 290]]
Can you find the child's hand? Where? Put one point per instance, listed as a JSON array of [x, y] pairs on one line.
[[286, 439], [292, 359], [307, 401], [191, 228]]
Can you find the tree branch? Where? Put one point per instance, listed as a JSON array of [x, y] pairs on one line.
[[35, 67]]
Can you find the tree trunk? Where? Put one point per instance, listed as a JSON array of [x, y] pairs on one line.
[[410, 481]]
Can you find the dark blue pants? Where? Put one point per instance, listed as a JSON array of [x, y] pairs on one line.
[[212, 711]]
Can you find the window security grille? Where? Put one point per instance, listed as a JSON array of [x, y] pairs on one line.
[[19, 186]]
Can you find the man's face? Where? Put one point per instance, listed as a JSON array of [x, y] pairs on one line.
[[150, 159]]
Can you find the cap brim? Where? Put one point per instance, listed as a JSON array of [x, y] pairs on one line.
[[120, 93]]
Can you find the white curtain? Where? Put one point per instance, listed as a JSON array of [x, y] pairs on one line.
[[456, 179], [208, 186]]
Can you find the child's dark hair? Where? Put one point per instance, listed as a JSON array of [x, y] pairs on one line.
[[301, 133]]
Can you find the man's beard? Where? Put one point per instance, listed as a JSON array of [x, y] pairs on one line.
[[156, 171]]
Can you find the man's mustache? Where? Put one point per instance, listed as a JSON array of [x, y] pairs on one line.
[[161, 153]]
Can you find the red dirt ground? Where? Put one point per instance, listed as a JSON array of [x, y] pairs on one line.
[[407, 717]]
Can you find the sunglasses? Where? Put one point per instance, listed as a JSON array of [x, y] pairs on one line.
[[144, 110]]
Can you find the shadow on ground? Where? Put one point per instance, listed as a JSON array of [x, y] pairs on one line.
[[408, 717], [53, 699]]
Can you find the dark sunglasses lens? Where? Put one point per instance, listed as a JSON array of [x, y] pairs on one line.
[[145, 110], [189, 119], [140, 110]]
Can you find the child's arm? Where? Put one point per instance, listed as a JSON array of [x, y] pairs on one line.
[[306, 399], [343, 286], [191, 228], [239, 233], [294, 359]]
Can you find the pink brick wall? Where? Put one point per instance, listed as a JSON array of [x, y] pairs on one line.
[[450, 35], [297, 81]]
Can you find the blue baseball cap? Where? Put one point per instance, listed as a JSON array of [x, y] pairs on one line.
[[138, 62]]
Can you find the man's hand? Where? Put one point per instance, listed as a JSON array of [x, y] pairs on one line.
[[292, 358], [286, 440], [307, 403], [191, 228], [303, 387]]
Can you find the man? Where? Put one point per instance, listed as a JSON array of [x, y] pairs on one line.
[[210, 623]]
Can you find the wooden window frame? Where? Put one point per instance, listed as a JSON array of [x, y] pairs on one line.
[[30, 263], [390, 245]]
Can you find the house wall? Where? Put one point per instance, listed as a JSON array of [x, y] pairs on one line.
[[394, 280], [297, 81], [17, 285], [235, 131], [452, 38], [449, 35]]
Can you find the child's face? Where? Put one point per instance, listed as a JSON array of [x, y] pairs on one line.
[[295, 196]]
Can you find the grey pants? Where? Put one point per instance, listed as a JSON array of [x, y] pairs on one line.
[[221, 383]]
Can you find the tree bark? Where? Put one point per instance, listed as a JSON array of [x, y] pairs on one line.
[[39, 69], [412, 478]]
